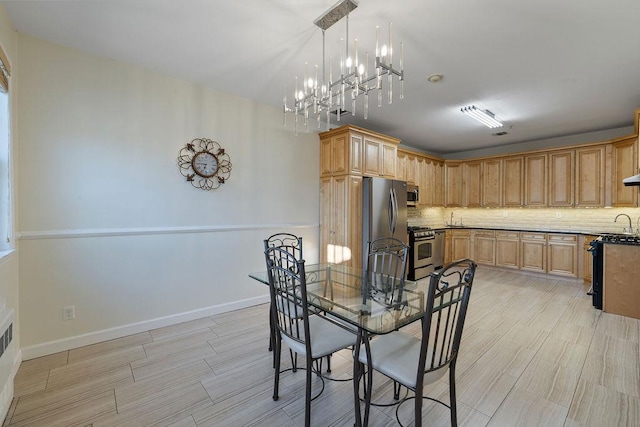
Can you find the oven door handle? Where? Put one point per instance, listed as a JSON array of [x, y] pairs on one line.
[[423, 239]]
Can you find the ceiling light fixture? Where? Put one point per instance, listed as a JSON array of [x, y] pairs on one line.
[[485, 117], [322, 97]]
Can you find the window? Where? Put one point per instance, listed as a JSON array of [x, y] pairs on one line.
[[5, 157]]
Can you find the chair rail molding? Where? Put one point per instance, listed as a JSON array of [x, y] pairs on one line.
[[144, 231]]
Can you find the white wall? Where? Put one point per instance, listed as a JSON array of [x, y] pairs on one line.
[[110, 226]]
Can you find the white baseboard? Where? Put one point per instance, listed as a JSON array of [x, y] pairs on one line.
[[39, 350]]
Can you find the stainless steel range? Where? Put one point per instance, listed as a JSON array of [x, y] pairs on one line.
[[426, 251]]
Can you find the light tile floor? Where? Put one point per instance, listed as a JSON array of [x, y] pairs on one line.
[[534, 352]]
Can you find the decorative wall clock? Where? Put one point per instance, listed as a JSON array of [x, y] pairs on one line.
[[204, 163]]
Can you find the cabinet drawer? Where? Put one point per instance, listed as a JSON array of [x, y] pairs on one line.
[[460, 233], [507, 235], [485, 233], [563, 238], [533, 236]]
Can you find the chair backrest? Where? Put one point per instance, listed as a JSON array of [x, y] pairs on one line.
[[385, 271], [290, 242], [288, 290], [446, 309]]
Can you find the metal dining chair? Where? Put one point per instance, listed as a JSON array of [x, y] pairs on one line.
[[311, 336], [415, 362], [386, 266], [292, 244]]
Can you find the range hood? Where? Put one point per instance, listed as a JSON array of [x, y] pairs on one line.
[[632, 181]]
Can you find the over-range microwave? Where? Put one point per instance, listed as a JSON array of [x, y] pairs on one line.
[[413, 196]]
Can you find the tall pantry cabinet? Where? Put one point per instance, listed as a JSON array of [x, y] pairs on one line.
[[347, 154]]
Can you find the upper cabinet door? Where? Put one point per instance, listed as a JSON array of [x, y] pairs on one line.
[[341, 154], [379, 158], [401, 166], [561, 176], [472, 184], [512, 182], [590, 174], [535, 181], [492, 183], [453, 188], [624, 163]]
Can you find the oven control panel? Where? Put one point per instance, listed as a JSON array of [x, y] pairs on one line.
[[424, 233], [621, 239], [421, 232]]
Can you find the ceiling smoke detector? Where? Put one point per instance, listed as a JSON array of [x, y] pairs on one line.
[[435, 78]]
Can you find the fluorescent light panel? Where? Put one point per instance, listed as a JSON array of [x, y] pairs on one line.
[[485, 117]]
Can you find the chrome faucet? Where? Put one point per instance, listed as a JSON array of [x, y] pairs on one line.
[[629, 218]]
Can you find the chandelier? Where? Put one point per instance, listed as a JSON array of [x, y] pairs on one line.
[[313, 98]]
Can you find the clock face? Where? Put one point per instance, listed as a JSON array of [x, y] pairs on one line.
[[205, 164]]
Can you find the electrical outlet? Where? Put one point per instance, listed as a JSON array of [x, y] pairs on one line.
[[558, 214], [69, 312], [505, 214]]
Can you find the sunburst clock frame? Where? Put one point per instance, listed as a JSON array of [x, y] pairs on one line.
[[204, 163]]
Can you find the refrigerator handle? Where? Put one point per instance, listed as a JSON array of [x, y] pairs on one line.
[[393, 217]]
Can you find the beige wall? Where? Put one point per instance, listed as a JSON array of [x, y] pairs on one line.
[[107, 222], [9, 262]]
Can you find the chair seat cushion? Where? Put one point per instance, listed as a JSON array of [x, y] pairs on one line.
[[396, 356], [326, 338]]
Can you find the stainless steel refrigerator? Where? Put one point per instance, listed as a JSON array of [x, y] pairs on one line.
[[384, 211]]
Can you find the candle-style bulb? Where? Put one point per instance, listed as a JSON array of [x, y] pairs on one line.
[[390, 45]]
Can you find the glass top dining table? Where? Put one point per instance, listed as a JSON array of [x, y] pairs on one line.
[[339, 289], [342, 291]]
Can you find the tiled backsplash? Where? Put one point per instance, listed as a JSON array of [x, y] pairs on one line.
[[589, 220]]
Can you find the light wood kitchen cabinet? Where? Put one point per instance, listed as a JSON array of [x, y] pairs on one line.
[[439, 186], [508, 249], [421, 178], [533, 252], [342, 168], [590, 176], [341, 221], [620, 280], [460, 244], [340, 153], [512, 181], [562, 257], [380, 158], [492, 183], [535, 180], [401, 166], [412, 166], [447, 247], [484, 244], [427, 183], [472, 184], [587, 259], [453, 184], [624, 163], [561, 178]]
